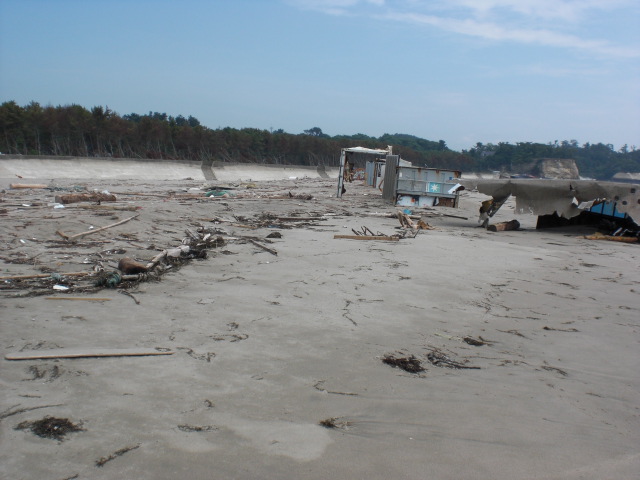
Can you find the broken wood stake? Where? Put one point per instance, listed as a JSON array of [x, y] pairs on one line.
[[83, 234], [265, 248]]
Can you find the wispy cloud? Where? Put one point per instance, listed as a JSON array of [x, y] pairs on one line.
[[496, 32], [567, 10], [555, 21], [335, 7]]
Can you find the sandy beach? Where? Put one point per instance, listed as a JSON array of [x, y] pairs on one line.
[[542, 325]]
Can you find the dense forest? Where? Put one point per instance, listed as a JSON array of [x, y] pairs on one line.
[[73, 130]]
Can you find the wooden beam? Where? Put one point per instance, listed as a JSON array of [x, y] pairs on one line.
[[27, 185], [367, 237], [85, 352], [86, 299], [45, 275], [611, 238]]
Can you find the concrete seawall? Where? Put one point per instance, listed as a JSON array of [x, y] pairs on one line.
[[36, 167]]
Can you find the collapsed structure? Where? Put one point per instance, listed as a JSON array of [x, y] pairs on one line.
[[400, 182], [559, 202], [556, 201]]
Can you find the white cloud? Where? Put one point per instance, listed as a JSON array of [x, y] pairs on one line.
[[495, 32], [334, 7], [569, 10], [556, 22]]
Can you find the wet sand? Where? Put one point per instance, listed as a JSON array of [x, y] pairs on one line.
[[267, 346]]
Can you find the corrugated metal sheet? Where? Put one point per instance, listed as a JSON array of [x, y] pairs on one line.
[[389, 185]]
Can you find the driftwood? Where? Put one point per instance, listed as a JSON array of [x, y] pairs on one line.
[[367, 237], [406, 222], [85, 352], [81, 299], [129, 208], [504, 226], [300, 219], [85, 197], [412, 217], [170, 252], [265, 248], [90, 232], [611, 238], [27, 185], [45, 275]]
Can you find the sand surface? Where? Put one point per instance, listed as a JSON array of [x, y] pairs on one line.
[[268, 346]]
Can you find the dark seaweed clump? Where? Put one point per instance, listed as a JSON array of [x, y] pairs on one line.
[[409, 364], [50, 427]]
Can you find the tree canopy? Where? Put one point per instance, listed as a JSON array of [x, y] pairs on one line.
[[73, 130]]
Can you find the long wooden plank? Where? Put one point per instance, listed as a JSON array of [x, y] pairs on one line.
[[45, 275], [84, 352], [81, 299], [367, 237], [27, 185]]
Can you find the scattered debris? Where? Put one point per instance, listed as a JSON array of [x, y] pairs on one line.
[[555, 369], [114, 455], [561, 329], [50, 427], [475, 342], [439, 359], [335, 422], [406, 222], [197, 428], [409, 364]]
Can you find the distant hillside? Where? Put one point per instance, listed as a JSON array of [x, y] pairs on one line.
[[76, 131]]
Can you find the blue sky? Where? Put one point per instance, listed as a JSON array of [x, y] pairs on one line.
[[462, 71]]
